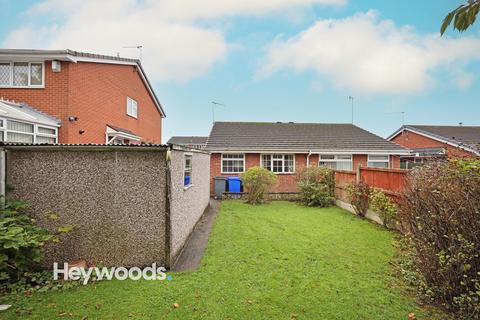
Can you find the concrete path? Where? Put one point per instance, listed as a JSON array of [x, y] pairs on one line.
[[192, 253]]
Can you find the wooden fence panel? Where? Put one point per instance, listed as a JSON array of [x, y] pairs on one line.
[[342, 179], [391, 181], [386, 179]]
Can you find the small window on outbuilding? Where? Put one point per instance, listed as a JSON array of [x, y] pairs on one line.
[[187, 172]]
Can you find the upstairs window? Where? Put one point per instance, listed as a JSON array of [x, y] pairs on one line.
[[279, 163], [378, 161], [187, 172], [22, 74], [233, 163], [132, 107], [336, 161]]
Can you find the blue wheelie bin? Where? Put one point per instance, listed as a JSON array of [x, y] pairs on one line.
[[234, 184]]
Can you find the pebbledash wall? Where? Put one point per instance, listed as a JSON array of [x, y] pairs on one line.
[[187, 204], [127, 204]]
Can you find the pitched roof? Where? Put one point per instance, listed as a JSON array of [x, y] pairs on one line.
[[23, 112], [460, 136], [188, 140], [297, 137], [63, 54], [121, 130], [76, 56]]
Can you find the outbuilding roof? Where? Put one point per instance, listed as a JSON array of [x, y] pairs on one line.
[[188, 140], [297, 137], [465, 137]]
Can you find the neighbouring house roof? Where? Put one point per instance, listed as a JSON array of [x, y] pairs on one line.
[[297, 137], [23, 112], [464, 137], [75, 56], [188, 140]]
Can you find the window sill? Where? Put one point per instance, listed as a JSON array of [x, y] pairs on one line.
[[129, 115], [22, 87], [185, 188]]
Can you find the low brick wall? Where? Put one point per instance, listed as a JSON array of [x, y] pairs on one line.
[[286, 196]]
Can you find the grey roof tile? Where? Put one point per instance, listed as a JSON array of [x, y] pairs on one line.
[[302, 137]]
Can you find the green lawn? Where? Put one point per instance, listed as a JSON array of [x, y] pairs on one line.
[[275, 261]]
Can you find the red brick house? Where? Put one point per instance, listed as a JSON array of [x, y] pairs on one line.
[[96, 99], [286, 148], [436, 141]]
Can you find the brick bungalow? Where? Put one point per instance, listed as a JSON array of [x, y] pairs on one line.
[[96, 98], [286, 148], [436, 141]]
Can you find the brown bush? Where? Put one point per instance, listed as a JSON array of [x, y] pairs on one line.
[[441, 213], [359, 197]]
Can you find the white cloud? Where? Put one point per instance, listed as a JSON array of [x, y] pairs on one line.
[[177, 43], [364, 54]]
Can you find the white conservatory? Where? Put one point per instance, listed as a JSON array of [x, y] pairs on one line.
[[20, 123]]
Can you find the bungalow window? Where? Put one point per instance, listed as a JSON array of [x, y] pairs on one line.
[[21, 74], [132, 107], [279, 163], [187, 172], [336, 162], [378, 161], [233, 163]]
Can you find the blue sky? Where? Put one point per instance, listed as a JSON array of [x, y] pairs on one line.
[[294, 60]]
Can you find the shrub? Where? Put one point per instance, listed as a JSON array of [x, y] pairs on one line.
[[384, 206], [21, 250], [21, 242], [257, 182], [441, 213], [317, 186], [359, 196]]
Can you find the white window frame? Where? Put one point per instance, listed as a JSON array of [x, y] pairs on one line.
[[235, 159], [35, 132], [185, 169], [30, 86], [378, 161], [283, 162], [131, 112], [335, 159]]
